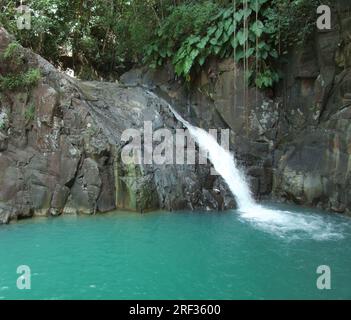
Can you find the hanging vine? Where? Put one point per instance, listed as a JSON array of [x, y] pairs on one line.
[[233, 16], [251, 31], [106, 38], [233, 31]]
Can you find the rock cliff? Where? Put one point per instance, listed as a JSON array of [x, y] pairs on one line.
[[294, 142], [60, 149]]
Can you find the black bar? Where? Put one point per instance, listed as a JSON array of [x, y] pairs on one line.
[[130, 309]]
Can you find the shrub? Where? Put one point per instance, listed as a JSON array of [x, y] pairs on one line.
[[254, 32], [25, 80], [29, 114], [105, 38], [11, 51]]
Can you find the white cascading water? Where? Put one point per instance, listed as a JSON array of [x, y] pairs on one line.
[[224, 163], [274, 221]]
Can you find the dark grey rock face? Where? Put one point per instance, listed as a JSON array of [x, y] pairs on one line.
[[313, 154], [214, 104], [294, 144], [68, 159]]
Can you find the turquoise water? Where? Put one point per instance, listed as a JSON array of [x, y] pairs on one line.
[[183, 255]]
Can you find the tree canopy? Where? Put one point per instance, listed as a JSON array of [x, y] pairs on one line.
[[102, 39]]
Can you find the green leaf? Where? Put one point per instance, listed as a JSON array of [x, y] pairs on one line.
[[219, 31], [193, 39], [228, 13], [234, 42], [238, 16], [257, 28], [194, 53], [202, 60], [242, 37], [213, 41], [239, 55], [179, 68], [273, 53], [163, 53], [231, 29], [250, 52], [188, 63], [246, 13], [228, 23], [179, 55], [202, 44], [216, 49], [211, 30], [255, 6]]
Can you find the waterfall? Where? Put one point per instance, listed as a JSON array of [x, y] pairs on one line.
[[279, 222], [282, 223], [224, 163]]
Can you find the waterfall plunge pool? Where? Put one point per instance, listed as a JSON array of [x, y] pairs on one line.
[[183, 255]]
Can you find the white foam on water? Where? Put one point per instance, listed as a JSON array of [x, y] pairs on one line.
[[291, 224], [279, 222]]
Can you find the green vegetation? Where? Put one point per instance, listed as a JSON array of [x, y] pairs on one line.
[[253, 32], [17, 78], [26, 80], [11, 52], [12, 56], [106, 38], [29, 114]]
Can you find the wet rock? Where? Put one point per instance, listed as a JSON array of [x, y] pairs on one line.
[[3, 142], [4, 214], [59, 200]]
